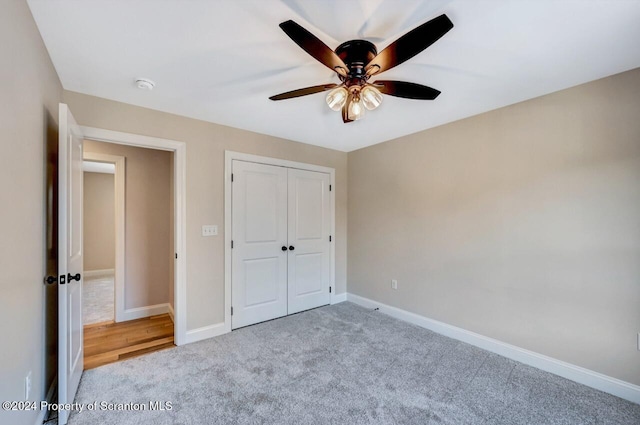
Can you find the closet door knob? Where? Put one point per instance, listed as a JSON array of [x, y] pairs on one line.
[[71, 277], [284, 248], [291, 248]]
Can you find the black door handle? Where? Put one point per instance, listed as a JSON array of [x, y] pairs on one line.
[[284, 248], [72, 277], [291, 247], [50, 280]]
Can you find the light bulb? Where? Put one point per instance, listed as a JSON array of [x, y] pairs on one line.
[[371, 97], [337, 97], [356, 109]]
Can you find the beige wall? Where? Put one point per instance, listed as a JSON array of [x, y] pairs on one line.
[[206, 144], [521, 224], [29, 96], [148, 205], [99, 221]]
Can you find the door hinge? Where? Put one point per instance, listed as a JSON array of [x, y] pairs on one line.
[[329, 289], [231, 177], [232, 311], [231, 244], [329, 188], [176, 255], [329, 238]]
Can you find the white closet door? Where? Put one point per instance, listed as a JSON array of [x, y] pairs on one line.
[[259, 229], [309, 246]]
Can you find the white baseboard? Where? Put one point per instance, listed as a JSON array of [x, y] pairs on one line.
[[172, 314], [566, 370], [148, 311], [92, 274], [205, 332], [338, 298]]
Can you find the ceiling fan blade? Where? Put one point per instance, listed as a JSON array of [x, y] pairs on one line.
[[410, 44], [314, 46], [406, 90], [303, 92]]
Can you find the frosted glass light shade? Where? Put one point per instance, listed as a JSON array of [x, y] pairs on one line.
[[371, 97], [356, 109], [336, 98]]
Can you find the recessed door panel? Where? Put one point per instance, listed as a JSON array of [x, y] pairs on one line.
[[262, 209], [75, 322], [309, 196], [261, 281], [309, 274], [309, 230], [259, 231]]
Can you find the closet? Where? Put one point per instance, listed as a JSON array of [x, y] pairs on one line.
[[281, 241]]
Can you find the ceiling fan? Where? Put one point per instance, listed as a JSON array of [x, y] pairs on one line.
[[356, 61]]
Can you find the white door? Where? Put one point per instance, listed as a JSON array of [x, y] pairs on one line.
[[259, 229], [70, 349], [309, 262]]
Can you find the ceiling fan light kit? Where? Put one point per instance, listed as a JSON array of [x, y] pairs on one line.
[[337, 97], [371, 97], [356, 61], [355, 108]]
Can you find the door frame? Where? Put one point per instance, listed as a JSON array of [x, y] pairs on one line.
[[179, 150], [119, 193], [229, 157]]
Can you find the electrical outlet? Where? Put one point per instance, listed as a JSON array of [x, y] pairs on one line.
[[394, 284], [27, 386], [209, 230]]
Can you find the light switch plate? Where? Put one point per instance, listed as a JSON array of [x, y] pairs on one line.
[[209, 230]]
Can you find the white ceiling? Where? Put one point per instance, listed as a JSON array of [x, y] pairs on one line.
[[220, 60]]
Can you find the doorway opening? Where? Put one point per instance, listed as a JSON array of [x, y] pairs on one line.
[[65, 229], [129, 253], [99, 232]]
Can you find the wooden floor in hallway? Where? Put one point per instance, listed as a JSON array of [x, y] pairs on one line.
[[111, 342]]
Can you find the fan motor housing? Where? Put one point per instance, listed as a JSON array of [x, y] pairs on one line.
[[356, 54]]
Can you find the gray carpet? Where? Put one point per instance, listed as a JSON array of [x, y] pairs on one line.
[[98, 300], [341, 365]]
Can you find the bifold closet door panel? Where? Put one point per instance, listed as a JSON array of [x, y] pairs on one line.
[[309, 231], [259, 231]]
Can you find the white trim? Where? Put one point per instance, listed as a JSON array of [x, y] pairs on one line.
[[120, 178], [338, 298], [179, 150], [569, 371], [92, 274], [120, 138], [229, 156], [172, 313], [98, 167], [147, 311], [205, 332]]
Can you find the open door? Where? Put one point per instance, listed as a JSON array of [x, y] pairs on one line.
[[70, 349]]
